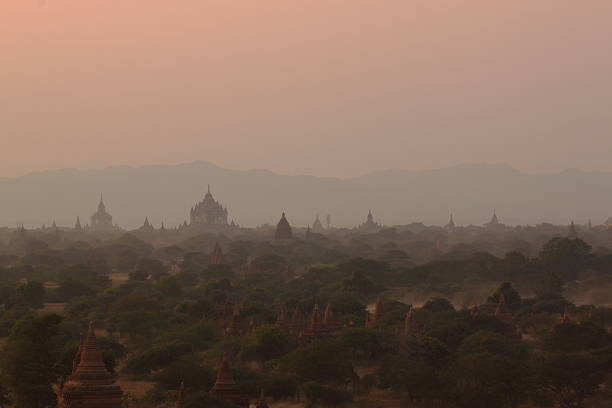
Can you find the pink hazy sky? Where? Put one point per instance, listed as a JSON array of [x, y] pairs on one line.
[[325, 87]]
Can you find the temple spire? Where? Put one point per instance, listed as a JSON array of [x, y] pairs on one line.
[[225, 387], [283, 229], [90, 384]]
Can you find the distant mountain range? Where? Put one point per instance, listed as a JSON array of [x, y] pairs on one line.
[[255, 197]]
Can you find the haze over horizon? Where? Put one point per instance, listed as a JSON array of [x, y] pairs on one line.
[[305, 87]]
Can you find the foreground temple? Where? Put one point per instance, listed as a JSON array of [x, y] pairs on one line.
[[225, 387], [90, 385]]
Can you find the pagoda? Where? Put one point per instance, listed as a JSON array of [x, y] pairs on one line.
[[209, 213], [78, 227], [283, 229], [90, 385], [147, 227], [494, 223], [317, 227], [101, 220], [295, 325], [225, 387], [451, 223], [369, 226], [331, 327], [217, 257], [315, 328]]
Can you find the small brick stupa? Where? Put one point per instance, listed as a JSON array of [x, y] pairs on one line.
[[225, 387]]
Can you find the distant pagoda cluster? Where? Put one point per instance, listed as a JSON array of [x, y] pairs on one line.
[[210, 216]]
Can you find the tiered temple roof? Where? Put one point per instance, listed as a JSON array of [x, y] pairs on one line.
[[90, 385], [225, 387], [101, 219], [209, 212], [315, 327], [296, 323], [369, 226]]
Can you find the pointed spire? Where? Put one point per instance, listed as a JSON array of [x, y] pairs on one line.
[[451, 222], [296, 321], [283, 229], [225, 386], [90, 384], [78, 226], [91, 369]]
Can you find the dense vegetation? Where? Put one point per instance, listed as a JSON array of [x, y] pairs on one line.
[[168, 316]]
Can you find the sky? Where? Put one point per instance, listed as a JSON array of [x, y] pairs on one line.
[[322, 87]]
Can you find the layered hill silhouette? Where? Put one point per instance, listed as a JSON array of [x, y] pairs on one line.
[[255, 197]]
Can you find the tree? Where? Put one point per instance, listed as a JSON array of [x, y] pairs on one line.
[[269, 342], [329, 396], [567, 379], [31, 294], [170, 286], [359, 283], [490, 370], [438, 305], [324, 361], [566, 257], [511, 296], [30, 363]]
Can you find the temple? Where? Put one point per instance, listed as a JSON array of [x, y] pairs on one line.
[[317, 226], [451, 223], [90, 385], [369, 226], [146, 226], [494, 223], [217, 257], [78, 227], [225, 387], [209, 213], [283, 229], [101, 220]]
